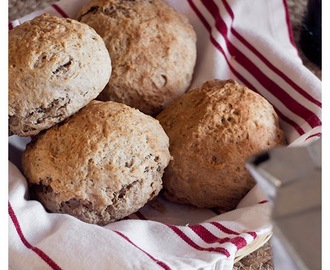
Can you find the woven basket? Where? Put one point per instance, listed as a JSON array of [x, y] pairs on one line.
[[19, 8]]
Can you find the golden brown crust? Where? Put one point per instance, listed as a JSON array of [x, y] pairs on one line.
[[102, 164], [56, 66], [153, 49], [212, 130]]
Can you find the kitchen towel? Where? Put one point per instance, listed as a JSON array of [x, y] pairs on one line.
[[249, 41]]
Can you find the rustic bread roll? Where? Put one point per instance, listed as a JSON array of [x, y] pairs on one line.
[[212, 130], [102, 164], [153, 49], [56, 66]]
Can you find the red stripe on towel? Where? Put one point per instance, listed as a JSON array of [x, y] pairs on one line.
[[238, 75], [263, 201], [265, 60], [217, 45], [160, 263], [275, 69], [319, 134], [36, 250], [210, 238], [229, 231], [60, 11], [290, 122], [223, 228], [191, 243], [290, 103], [253, 234], [288, 23]]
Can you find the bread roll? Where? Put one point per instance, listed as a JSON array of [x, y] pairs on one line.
[[153, 49], [212, 130], [100, 165], [56, 66]]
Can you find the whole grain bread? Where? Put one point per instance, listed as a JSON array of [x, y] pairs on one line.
[[153, 49], [212, 130], [100, 165], [56, 66]]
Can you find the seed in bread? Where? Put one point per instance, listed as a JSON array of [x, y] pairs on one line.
[[100, 165], [212, 130], [56, 66], [153, 49]]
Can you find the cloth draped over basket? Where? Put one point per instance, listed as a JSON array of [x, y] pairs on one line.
[[249, 41]]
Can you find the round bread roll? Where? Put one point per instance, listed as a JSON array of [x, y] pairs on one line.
[[153, 49], [100, 165], [56, 66], [212, 130]]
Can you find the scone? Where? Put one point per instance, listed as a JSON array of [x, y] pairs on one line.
[[56, 66], [152, 47], [212, 130], [100, 165]]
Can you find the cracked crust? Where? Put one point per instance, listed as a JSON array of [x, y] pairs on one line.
[[101, 164], [56, 66], [153, 49], [212, 130]]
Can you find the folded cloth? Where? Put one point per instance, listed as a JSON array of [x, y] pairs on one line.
[[249, 41]]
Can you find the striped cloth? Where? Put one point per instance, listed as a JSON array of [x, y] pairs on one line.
[[249, 41]]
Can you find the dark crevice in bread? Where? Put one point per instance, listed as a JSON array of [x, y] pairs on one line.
[[63, 68]]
